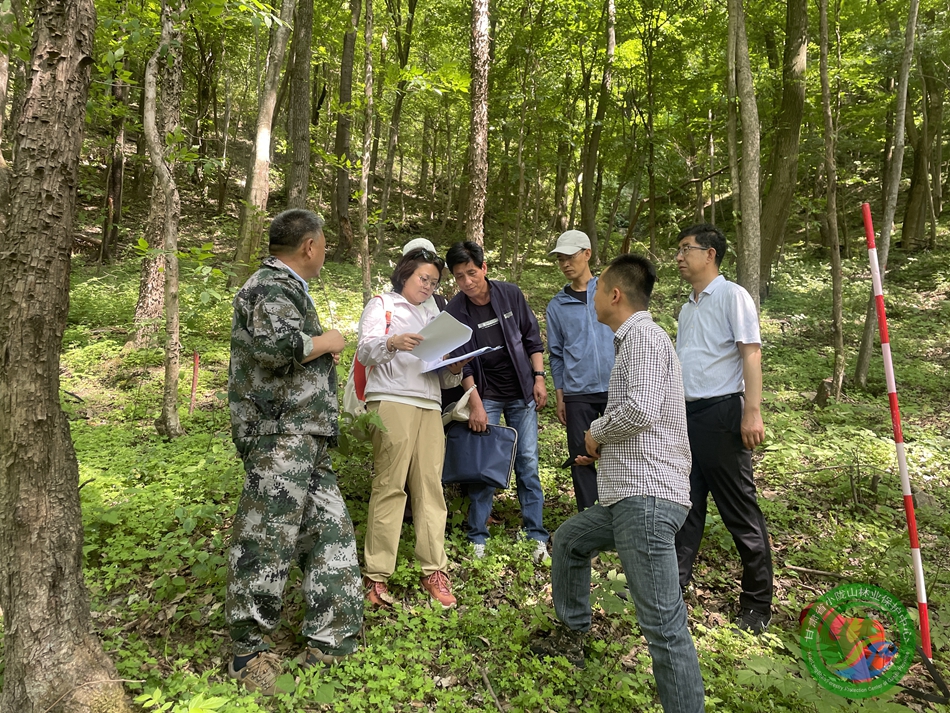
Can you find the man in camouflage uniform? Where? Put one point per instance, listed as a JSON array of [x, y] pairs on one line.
[[282, 390]]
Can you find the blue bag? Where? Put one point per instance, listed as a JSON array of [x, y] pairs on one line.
[[484, 458]]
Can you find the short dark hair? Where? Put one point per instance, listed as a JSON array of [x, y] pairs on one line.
[[707, 236], [289, 228], [463, 253], [410, 262], [634, 276]]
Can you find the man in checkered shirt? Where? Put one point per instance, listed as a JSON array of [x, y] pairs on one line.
[[643, 487]]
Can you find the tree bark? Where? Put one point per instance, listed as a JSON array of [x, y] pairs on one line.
[[151, 301], [750, 237], [115, 173], [403, 35], [298, 177], [254, 210], [341, 147], [52, 658], [782, 169], [919, 197], [367, 151], [831, 209], [893, 184], [588, 185], [168, 424], [478, 131]]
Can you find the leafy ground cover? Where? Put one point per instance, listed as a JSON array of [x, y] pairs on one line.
[[156, 515]]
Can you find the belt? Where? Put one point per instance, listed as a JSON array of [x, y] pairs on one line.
[[701, 404]]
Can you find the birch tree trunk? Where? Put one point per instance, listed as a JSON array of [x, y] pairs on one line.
[[253, 212], [478, 131], [52, 657], [893, 184]]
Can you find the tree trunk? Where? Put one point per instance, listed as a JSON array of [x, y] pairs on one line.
[[478, 132], [298, 178], [782, 170], [367, 151], [893, 184], [253, 212], [588, 186], [919, 197], [115, 172], [403, 39], [750, 239], [52, 658], [341, 146], [831, 209], [151, 301], [168, 423]]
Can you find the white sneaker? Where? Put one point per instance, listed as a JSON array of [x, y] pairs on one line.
[[479, 551], [540, 551]]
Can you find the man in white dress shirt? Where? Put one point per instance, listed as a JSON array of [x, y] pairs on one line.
[[720, 350]]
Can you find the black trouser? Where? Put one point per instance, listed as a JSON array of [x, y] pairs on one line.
[[579, 417], [722, 465]]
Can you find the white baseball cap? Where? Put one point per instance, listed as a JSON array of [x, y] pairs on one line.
[[570, 242], [417, 243]]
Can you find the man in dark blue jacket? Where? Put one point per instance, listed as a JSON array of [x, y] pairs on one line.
[[510, 382], [582, 355]]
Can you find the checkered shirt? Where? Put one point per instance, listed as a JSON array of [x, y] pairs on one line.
[[645, 447]]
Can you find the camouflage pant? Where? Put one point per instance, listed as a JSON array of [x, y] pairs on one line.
[[291, 508]]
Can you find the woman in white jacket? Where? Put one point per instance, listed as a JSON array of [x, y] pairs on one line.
[[411, 449]]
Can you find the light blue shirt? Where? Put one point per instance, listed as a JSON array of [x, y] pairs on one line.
[[710, 328]]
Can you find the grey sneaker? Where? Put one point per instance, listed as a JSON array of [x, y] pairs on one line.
[[561, 642], [260, 674], [540, 551], [479, 551], [752, 621]]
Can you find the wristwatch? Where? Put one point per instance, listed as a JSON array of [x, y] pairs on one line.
[[542, 373]]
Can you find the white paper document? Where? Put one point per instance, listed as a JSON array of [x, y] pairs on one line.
[[439, 363], [442, 335]]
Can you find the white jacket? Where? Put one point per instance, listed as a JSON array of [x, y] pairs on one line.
[[398, 374]]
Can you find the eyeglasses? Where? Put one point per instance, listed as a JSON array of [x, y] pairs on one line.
[[684, 250], [562, 258], [428, 282]]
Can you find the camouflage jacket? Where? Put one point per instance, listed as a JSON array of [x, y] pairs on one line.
[[269, 390]]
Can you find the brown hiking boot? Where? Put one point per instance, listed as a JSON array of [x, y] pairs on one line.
[[312, 656], [377, 594], [260, 674], [439, 588]]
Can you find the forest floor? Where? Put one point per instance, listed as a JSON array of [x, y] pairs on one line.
[[156, 513]]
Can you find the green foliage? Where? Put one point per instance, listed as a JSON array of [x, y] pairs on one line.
[[156, 516]]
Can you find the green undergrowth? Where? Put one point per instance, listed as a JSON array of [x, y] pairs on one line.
[[156, 514]]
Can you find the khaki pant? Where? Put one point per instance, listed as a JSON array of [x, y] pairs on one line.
[[410, 451]]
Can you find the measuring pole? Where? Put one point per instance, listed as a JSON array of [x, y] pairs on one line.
[[898, 435]]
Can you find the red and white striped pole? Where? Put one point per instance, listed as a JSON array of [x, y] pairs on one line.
[[898, 435]]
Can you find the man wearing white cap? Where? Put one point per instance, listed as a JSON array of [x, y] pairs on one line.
[[582, 355]]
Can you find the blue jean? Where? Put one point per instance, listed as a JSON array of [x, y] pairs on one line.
[[523, 418], [642, 530]]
